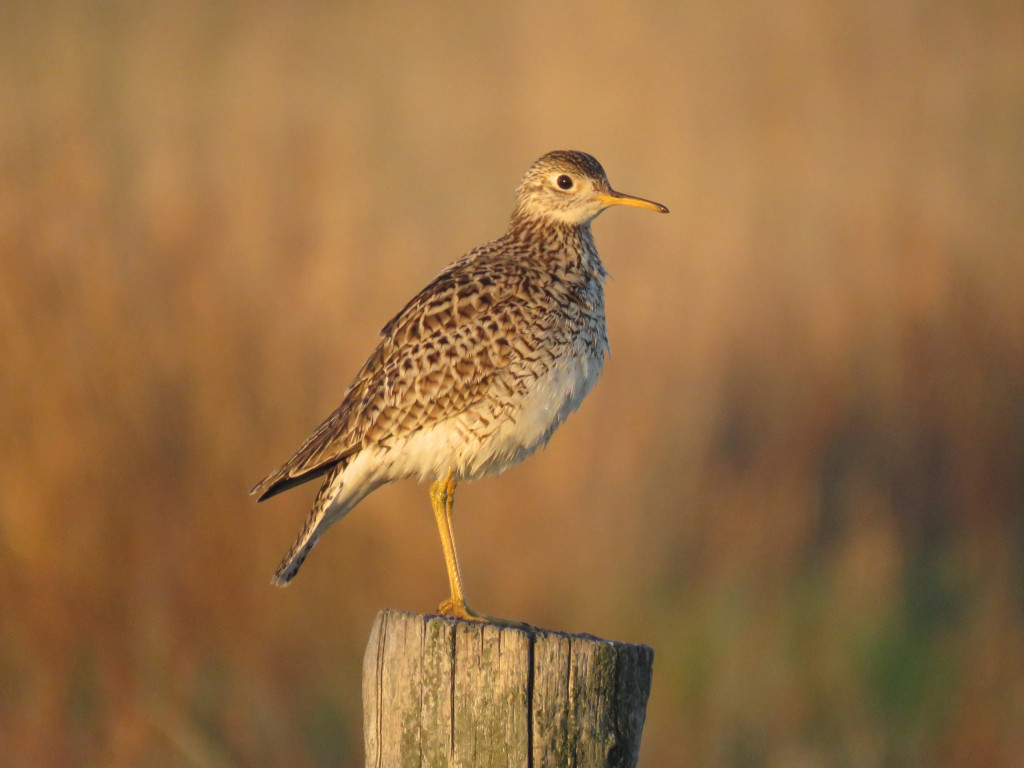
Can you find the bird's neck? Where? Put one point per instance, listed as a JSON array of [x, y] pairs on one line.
[[563, 248]]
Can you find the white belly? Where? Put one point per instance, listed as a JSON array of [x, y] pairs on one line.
[[474, 449]]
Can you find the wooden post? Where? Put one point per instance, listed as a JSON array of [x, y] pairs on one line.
[[443, 692]]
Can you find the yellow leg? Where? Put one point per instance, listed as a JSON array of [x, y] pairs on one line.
[[442, 499]]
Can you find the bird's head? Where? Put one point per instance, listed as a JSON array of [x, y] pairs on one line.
[[570, 188]]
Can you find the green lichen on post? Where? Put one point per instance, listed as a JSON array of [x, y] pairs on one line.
[[445, 692]]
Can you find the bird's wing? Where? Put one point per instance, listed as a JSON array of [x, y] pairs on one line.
[[436, 358], [331, 442], [442, 351]]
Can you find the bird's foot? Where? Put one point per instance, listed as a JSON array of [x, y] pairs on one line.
[[459, 610]]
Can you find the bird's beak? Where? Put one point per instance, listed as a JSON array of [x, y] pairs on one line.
[[617, 198]]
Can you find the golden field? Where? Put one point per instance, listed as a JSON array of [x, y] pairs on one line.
[[800, 480]]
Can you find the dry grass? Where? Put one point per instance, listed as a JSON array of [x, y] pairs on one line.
[[801, 479]]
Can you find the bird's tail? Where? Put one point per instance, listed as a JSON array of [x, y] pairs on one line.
[[326, 510], [335, 500], [316, 523], [296, 556]]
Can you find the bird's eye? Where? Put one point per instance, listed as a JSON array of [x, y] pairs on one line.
[[564, 182]]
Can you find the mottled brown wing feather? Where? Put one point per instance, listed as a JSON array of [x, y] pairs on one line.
[[440, 353], [330, 443], [437, 358]]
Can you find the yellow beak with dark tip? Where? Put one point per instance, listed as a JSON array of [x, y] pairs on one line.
[[617, 198]]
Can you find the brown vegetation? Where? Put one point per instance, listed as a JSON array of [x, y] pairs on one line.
[[801, 479]]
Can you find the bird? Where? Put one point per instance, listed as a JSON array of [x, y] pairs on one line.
[[477, 371]]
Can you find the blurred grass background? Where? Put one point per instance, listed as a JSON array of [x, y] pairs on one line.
[[801, 478]]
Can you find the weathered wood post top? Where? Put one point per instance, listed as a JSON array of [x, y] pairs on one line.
[[446, 692]]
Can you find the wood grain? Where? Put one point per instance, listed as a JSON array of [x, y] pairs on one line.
[[445, 692]]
